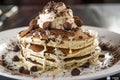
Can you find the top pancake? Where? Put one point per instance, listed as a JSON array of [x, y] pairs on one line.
[[72, 39]]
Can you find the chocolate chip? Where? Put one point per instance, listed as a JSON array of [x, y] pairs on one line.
[[53, 39], [36, 48], [80, 37], [67, 26], [4, 63], [86, 65], [78, 21], [15, 58], [26, 72], [75, 72], [16, 48], [33, 69], [76, 17], [102, 56], [107, 46], [47, 25], [33, 24], [50, 50], [21, 69]]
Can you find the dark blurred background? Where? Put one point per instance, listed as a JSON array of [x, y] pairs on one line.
[[43, 2], [98, 13]]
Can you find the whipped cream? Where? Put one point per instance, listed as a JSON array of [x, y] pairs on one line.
[[57, 14]]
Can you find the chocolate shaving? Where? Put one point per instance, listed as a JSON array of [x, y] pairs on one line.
[[104, 46], [47, 25], [16, 48], [53, 39], [28, 59], [3, 57], [50, 6], [46, 40], [60, 14], [23, 70], [4, 63]]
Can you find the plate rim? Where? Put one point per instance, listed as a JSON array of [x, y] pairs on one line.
[[67, 78]]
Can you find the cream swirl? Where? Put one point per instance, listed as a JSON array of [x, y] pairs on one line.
[[58, 14]]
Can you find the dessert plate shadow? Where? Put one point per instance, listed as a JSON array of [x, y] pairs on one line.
[[106, 35]]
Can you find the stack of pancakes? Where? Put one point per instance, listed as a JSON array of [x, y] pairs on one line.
[[48, 47]]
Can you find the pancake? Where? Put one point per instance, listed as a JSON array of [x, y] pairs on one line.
[[81, 39], [56, 40], [55, 63], [40, 50]]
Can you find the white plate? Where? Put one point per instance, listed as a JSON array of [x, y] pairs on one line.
[[109, 36]]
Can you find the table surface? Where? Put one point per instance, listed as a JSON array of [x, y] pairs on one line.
[[98, 15]]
